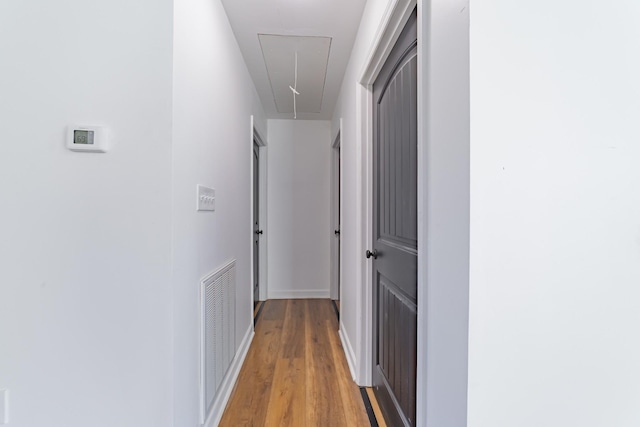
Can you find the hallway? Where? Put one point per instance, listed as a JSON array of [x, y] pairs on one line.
[[127, 175], [296, 373]]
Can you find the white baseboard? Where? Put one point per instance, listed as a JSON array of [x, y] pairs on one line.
[[348, 351], [298, 294], [229, 380]]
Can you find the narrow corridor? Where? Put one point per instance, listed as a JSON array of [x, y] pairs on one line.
[[296, 373]]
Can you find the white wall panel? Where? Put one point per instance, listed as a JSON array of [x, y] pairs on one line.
[[299, 159], [555, 217], [85, 296], [353, 172]]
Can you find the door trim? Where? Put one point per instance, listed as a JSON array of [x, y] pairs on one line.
[[393, 22], [395, 18], [257, 139], [443, 203]]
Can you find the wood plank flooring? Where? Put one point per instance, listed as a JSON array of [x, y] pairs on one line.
[[296, 373]]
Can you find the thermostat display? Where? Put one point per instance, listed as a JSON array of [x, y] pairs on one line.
[[87, 138], [83, 137]]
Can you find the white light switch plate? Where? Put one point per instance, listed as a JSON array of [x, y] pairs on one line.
[[206, 198], [4, 407]]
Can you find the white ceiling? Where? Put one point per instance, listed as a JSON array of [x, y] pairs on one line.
[[300, 64], [320, 19]]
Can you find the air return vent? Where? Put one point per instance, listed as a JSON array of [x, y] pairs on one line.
[[218, 346]]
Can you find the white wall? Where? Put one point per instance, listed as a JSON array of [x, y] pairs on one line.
[[555, 218], [298, 183], [352, 255], [214, 99], [443, 212], [85, 294], [90, 318]]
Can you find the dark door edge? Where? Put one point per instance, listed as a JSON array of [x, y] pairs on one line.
[[335, 308], [257, 316]]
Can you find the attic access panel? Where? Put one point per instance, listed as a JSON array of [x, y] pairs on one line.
[[313, 58]]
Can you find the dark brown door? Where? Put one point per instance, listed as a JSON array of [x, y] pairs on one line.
[[256, 224], [395, 237], [337, 213]]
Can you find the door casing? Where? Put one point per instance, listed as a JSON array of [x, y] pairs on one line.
[[257, 139], [392, 25]]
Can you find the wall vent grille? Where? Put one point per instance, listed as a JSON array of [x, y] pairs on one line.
[[218, 331]]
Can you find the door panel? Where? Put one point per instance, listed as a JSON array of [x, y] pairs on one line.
[[335, 218], [339, 225], [256, 224], [395, 237], [397, 349]]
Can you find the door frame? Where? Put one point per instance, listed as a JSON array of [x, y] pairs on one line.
[[396, 16], [443, 203], [336, 215], [257, 139]]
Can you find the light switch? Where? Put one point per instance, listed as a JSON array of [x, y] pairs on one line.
[[206, 198], [4, 407]]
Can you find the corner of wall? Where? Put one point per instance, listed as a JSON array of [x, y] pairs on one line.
[[348, 351]]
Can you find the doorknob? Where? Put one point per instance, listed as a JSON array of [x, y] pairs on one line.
[[259, 232], [373, 254], [336, 232]]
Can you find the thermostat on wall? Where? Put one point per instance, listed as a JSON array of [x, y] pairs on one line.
[[87, 138]]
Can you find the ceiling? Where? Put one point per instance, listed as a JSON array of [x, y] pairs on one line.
[[271, 32]]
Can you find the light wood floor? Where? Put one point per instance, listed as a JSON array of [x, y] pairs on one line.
[[295, 373]]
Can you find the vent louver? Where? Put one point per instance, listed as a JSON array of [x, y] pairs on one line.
[[218, 346]]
